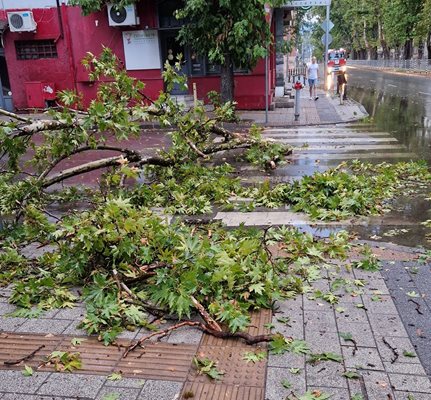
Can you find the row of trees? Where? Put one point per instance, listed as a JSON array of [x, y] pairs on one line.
[[377, 28]]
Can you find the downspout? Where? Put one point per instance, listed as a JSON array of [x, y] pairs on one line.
[[60, 19]]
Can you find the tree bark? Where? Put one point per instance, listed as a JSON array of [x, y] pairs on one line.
[[227, 80]]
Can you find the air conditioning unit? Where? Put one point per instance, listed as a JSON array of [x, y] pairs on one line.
[[21, 21], [122, 16]]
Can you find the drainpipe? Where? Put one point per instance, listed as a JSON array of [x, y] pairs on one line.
[[68, 45], [60, 20]]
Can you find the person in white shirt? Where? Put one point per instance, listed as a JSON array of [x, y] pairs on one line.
[[313, 73]]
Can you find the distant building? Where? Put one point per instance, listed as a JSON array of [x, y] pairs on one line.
[[45, 40]]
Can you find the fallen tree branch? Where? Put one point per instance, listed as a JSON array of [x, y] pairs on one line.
[[15, 116], [249, 339], [393, 349], [207, 318]]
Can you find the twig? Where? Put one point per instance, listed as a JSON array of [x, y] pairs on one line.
[[15, 116], [418, 306], [249, 339], [26, 358], [207, 318], [393, 349]]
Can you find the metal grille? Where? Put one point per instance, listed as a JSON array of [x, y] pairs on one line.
[[35, 49]]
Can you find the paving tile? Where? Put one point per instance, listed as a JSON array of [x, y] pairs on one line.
[[125, 383], [20, 396], [6, 308], [72, 385], [401, 345], [319, 321], [365, 358], [160, 390], [404, 368], [323, 342], [361, 333], [384, 306], [274, 388], [294, 327], [73, 330], [185, 335], [377, 385], [286, 360], [122, 393], [316, 305], [328, 372], [44, 326], [387, 325], [414, 383], [75, 313], [289, 307], [416, 396], [10, 324], [336, 393], [15, 382]]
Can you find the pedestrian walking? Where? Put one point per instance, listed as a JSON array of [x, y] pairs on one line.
[[313, 74]]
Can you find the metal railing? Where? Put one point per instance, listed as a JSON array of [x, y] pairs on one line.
[[417, 66], [295, 74]]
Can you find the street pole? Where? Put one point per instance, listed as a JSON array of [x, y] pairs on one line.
[[326, 47]]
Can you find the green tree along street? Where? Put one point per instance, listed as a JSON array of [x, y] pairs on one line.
[[373, 28], [231, 33], [129, 260]]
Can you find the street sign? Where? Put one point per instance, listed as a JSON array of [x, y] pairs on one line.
[[307, 3], [329, 39], [330, 25]]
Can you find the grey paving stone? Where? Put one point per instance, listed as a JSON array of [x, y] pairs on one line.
[[75, 313], [365, 358], [274, 388], [289, 307], [73, 330], [10, 324], [377, 385], [126, 334], [404, 368], [323, 342], [319, 321], [361, 333], [294, 327], [6, 308], [401, 345], [126, 383], [328, 372], [20, 396], [286, 360], [160, 390], [384, 306], [414, 383], [72, 385], [336, 394], [351, 314], [185, 335], [316, 305], [387, 325], [416, 396], [15, 382], [44, 326], [123, 393]]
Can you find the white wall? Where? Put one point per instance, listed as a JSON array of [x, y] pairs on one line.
[[17, 4]]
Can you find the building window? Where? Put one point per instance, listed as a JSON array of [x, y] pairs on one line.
[[35, 49]]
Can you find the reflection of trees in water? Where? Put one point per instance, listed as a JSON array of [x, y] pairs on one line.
[[405, 118]]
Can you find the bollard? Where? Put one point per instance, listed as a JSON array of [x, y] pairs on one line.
[[298, 86]]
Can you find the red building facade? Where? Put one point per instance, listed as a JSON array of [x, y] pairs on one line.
[[48, 58]]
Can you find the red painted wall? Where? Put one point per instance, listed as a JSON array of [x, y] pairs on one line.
[[89, 34]]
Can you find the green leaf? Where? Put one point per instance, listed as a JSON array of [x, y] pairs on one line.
[[254, 357], [315, 358], [115, 376], [111, 396], [347, 336], [357, 396], [27, 371], [351, 375], [286, 384], [76, 341], [315, 395], [294, 371], [409, 354], [413, 294]]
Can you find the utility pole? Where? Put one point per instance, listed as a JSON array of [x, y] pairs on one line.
[[326, 46]]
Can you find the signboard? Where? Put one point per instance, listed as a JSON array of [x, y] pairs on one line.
[[141, 50], [330, 25], [329, 39], [307, 3]]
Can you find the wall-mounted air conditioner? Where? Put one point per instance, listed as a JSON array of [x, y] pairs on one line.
[[122, 16], [21, 21]]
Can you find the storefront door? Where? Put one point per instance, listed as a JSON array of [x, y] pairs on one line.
[[5, 92]]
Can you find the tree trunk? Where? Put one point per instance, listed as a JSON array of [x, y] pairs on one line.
[[227, 81], [429, 45], [385, 50], [366, 42]]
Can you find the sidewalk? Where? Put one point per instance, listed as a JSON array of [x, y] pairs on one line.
[[326, 110]]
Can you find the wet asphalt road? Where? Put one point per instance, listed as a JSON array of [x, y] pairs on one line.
[[401, 105]]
